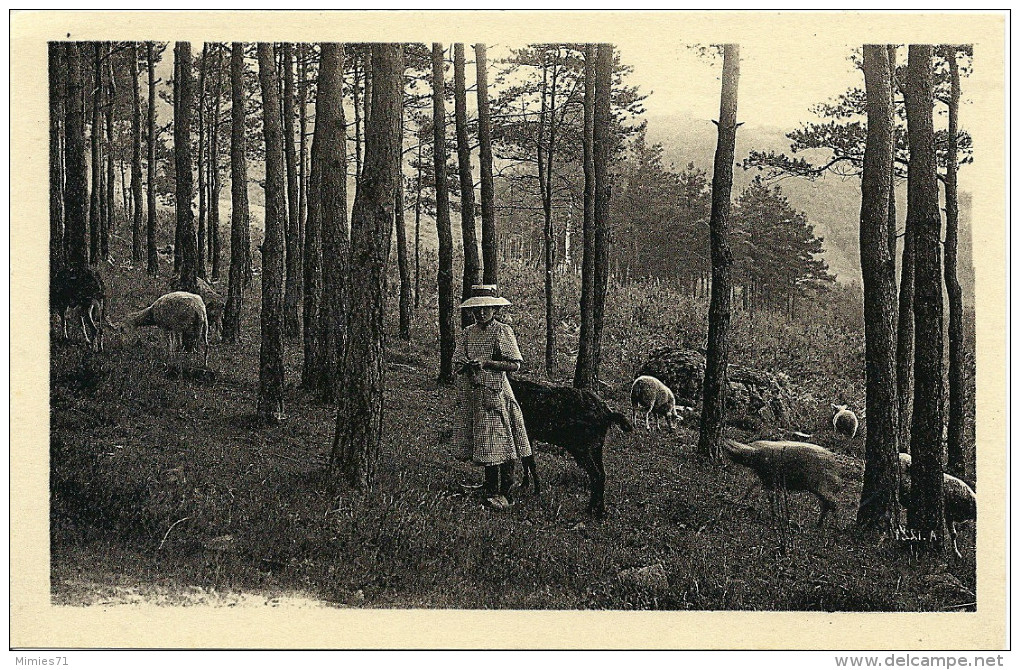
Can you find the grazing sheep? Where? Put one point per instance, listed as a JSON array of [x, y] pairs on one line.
[[648, 393], [960, 498], [576, 420], [844, 421], [85, 291], [794, 466], [182, 315]]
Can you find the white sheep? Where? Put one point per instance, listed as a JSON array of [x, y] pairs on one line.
[[960, 499], [844, 421], [182, 315], [653, 397], [794, 466]]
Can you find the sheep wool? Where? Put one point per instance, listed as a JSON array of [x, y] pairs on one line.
[[794, 466]]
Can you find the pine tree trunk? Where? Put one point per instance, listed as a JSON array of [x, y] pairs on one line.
[[355, 93], [714, 394], [302, 143], [957, 429], [585, 372], [335, 234], [603, 140], [879, 507], [270, 404], [203, 186], [403, 270], [417, 225], [926, 511], [96, 225], [445, 235], [490, 237], [310, 370], [240, 252], [467, 181], [359, 419], [545, 165], [150, 175], [292, 299], [76, 179], [214, 170], [136, 160], [110, 179], [182, 155], [56, 75]]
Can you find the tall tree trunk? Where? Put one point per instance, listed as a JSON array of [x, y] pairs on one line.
[[214, 170], [467, 180], [292, 299], [302, 142], [136, 160], [417, 223], [240, 251], [927, 508], [585, 372], [957, 374], [182, 155], [96, 225], [355, 93], [108, 200], [359, 419], [403, 270], [203, 186], [270, 406], [445, 235], [332, 88], [545, 165], [56, 76], [879, 507], [490, 239], [76, 180], [603, 139], [714, 394], [335, 234], [150, 175]]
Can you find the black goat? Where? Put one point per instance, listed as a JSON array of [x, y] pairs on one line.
[[576, 420], [84, 290]]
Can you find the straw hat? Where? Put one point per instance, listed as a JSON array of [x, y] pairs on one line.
[[484, 295]]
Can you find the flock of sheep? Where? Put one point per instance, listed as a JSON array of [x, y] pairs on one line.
[[576, 420]]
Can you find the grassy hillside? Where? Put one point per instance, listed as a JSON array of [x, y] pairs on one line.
[[166, 490]]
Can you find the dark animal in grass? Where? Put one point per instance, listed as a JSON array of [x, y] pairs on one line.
[[84, 290], [960, 498], [794, 466], [182, 316], [576, 420]]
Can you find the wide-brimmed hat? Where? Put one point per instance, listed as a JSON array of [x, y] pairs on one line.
[[484, 295]]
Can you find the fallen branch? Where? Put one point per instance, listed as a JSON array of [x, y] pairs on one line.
[[167, 534]]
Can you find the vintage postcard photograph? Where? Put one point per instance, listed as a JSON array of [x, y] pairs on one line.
[[508, 329]]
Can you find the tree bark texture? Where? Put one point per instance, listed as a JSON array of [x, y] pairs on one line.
[[404, 307], [215, 251], [56, 77], [136, 160], [109, 209], [490, 236], [96, 211], [585, 371], [445, 235], [926, 511], [957, 430], [292, 298], [182, 155], [202, 167], [311, 373], [150, 165], [75, 178], [715, 387], [240, 250], [467, 181], [359, 419], [270, 404], [879, 506], [335, 234]]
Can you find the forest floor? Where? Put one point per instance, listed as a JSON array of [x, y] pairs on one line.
[[168, 491]]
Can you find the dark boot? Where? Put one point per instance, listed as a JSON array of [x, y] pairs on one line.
[[506, 479], [491, 486]]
